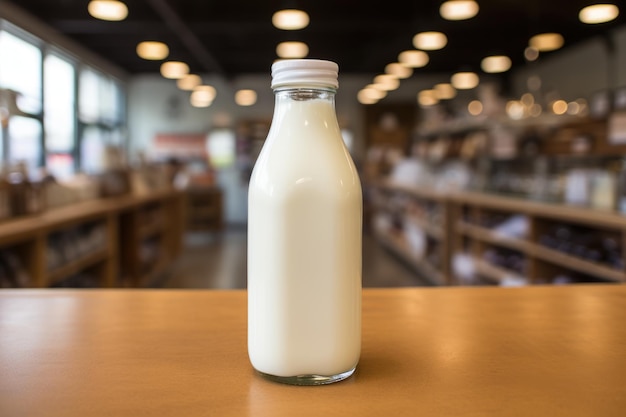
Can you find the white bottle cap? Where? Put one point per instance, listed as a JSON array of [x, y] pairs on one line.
[[304, 72]]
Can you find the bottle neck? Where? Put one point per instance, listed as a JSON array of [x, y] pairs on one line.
[[305, 108], [304, 94]]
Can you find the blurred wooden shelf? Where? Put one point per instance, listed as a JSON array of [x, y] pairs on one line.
[[28, 237], [573, 263], [496, 273], [78, 265], [494, 238], [421, 265], [204, 208], [461, 212]]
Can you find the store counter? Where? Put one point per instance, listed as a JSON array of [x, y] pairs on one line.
[[453, 351]]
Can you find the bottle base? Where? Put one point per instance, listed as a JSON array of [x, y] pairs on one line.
[[308, 379]]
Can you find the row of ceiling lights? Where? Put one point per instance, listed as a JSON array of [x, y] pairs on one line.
[[202, 95], [431, 41], [292, 19]]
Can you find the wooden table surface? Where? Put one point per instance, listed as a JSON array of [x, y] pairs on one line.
[[532, 351]]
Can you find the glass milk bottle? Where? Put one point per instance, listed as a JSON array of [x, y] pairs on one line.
[[304, 235]]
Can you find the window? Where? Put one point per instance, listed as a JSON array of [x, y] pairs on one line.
[[52, 114], [20, 71], [59, 115], [20, 80], [101, 116]]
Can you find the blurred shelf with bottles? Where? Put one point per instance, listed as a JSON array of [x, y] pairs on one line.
[[532, 190]]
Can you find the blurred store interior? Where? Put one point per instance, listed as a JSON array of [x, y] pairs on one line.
[[490, 137]]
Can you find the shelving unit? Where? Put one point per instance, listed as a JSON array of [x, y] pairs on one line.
[[541, 261], [204, 209], [417, 227], [465, 229], [151, 237], [32, 238]]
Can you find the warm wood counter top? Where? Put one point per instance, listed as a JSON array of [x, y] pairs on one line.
[[482, 351]]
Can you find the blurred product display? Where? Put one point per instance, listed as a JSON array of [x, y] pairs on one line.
[[502, 197]]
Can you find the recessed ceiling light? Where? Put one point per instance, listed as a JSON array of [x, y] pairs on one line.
[[598, 13], [464, 80], [151, 50], [413, 58], [375, 92], [174, 69], [386, 82], [197, 99], [245, 97], [290, 19], [189, 82], [545, 42], [399, 70], [207, 92], [458, 9], [445, 91], [112, 10], [364, 97], [430, 41], [496, 63], [292, 50], [370, 95], [203, 96], [427, 98]]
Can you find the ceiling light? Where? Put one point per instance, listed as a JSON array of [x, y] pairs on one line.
[[464, 80], [375, 92], [399, 70], [430, 41], [204, 92], [364, 97], [290, 19], [292, 50], [427, 98], [496, 63], [475, 107], [245, 97], [372, 93], [174, 69], [445, 91], [202, 96], [598, 13], [546, 42], [111, 10], [189, 82], [151, 50], [414, 58], [198, 100], [458, 9], [559, 107], [386, 82]]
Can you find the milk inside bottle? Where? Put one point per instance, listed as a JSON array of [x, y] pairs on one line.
[[304, 236]]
